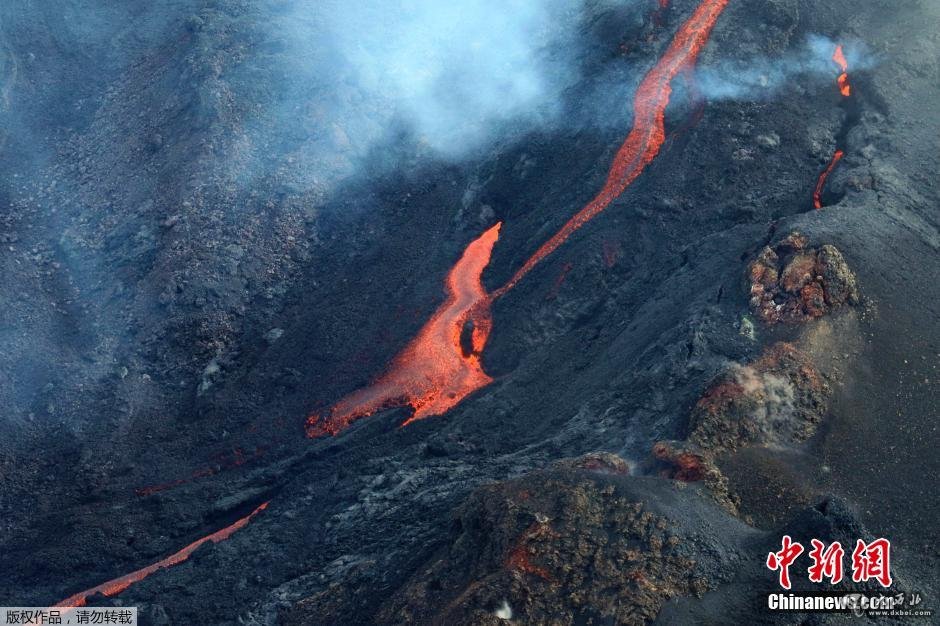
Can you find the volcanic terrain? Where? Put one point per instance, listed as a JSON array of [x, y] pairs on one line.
[[283, 343]]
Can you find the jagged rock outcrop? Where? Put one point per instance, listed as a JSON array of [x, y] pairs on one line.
[[792, 283], [778, 399], [579, 542], [557, 546]]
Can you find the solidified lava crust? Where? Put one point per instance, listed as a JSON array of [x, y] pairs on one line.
[[791, 282]]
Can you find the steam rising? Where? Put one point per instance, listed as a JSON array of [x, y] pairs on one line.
[[763, 78], [775, 415], [454, 72]]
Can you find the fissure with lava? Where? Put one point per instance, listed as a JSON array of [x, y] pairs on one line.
[[435, 372], [846, 90], [113, 587]]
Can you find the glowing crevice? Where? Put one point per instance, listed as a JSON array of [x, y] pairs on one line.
[[821, 182], [846, 90], [117, 585], [843, 79]]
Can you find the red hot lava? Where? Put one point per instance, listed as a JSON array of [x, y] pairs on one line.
[[821, 183], [116, 586], [846, 90], [843, 80], [434, 372], [648, 132]]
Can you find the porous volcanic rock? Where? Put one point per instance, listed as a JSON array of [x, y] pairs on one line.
[[792, 283], [778, 399], [687, 462], [568, 544]]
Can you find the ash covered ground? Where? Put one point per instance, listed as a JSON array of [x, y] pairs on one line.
[[220, 217]]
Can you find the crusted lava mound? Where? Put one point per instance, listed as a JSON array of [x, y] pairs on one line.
[[778, 399], [579, 542], [583, 541], [791, 282], [775, 402]]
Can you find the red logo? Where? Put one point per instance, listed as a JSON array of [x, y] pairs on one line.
[[869, 561], [872, 560], [782, 560], [826, 562]]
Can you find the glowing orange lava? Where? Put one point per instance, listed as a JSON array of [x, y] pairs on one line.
[[434, 372], [648, 132], [821, 183], [843, 80], [116, 586]]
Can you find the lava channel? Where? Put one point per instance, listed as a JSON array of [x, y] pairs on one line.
[[434, 372], [846, 90], [821, 183], [648, 132], [116, 586]]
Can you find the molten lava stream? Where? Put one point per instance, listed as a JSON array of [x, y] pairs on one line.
[[821, 183], [116, 586], [648, 133], [843, 80], [846, 90], [433, 373]]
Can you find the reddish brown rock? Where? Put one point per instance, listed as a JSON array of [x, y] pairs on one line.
[[792, 283], [777, 400], [564, 545], [677, 463], [685, 461], [602, 462]]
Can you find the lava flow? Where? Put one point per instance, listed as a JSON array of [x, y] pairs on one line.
[[648, 132], [434, 372], [821, 183], [116, 586], [846, 90], [843, 80]]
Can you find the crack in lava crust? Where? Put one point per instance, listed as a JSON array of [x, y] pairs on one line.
[[433, 373], [821, 182], [117, 585], [846, 90]]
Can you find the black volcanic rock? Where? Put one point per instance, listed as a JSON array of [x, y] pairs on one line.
[[578, 542]]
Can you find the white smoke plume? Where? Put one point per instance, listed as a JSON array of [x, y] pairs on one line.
[[454, 72], [763, 78]]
